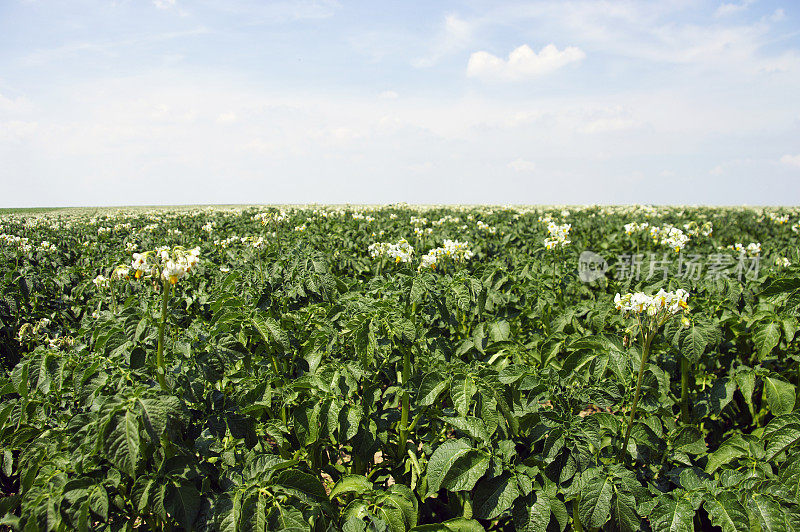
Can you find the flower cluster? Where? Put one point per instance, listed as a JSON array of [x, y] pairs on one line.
[[452, 249], [777, 218], [258, 242], [101, 281], [447, 218], [47, 246], [168, 264], [670, 236], [635, 227], [486, 228], [267, 218], [559, 235], [12, 240], [694, 229], [753, 249], [400, 252], [663, 304], [782, 262]]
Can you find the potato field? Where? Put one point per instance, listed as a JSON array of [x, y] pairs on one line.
[[400, 368]]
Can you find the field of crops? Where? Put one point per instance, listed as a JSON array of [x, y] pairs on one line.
[[399, 368]]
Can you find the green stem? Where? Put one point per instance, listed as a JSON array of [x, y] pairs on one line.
[[403, 436], [576, 518], [686, 371], [160, 353], [645, 354]]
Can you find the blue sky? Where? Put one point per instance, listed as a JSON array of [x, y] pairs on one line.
[[144, 102]]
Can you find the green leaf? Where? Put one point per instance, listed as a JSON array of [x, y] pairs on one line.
[[690, 440], [432, 385], [781, 286], [349, 420], [532, 517], [731, 449], [779, 435], [351, 484], [122, 442], [455, 466], [306, 422], [470, 425], [766, 336], [458, 524], [780, 395], [403, 499], [694, 342], [726, 512], [746, 381], [623, 509], [304, 486], [461, 391], [767, 512], [98, 501], [495, 496], [228, 512], [156, 413], [270, 331], [183, 503], [595, 504], [672, 515]]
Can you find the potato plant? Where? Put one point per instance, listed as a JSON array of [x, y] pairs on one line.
[[399, 368]]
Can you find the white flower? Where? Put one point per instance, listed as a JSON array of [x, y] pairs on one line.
[[101, 281], [173, 271], [452, 249], [402, 251], [638, 302], [778, 219], [120, 272], [486, 228], [753, 249], [559, 235]]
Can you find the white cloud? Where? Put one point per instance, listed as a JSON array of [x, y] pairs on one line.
[[522, 62], [521, 165], [455, 35], [164, 4], [606, 125], [791, 160], [717, 170], [14, 106], [731, 8], [778, 15], [388, 95], [17, 130]]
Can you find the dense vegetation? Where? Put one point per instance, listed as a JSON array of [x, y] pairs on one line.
[[289, 374]]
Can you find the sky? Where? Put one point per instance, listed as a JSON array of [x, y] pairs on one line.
[[154, 102]]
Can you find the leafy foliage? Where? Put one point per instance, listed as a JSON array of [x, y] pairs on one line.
[[309, 386]]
